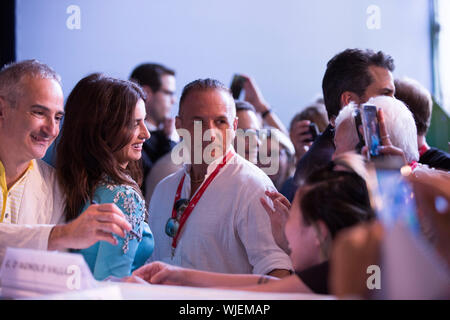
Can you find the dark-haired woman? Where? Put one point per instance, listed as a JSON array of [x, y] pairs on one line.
[[98, 162], [332, 199]]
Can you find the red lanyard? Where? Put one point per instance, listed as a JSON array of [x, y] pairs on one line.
[[195, 199], [424, 148], [413, 165]]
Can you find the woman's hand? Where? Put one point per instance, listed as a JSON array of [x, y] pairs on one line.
[[161, 273], [278, 217]]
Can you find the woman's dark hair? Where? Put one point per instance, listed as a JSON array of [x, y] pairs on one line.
[[98, 123], [338, 198]]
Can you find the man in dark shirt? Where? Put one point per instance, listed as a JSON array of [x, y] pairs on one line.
[[352, 75], [158, 83], [418, 100], [435, 158]]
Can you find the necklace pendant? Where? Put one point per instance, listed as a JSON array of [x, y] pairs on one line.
[[172, 226]]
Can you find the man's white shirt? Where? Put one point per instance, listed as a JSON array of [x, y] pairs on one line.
[[229, 231], [41, 208]]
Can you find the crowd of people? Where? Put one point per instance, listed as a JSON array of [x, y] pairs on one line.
[[224, 194]]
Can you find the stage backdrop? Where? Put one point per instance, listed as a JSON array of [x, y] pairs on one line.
[[284, 44]]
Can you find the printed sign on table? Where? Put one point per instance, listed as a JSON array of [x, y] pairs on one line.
[[28, 272]]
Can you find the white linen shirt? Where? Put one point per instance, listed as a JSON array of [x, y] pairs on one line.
[[228, 231], [41, 208]]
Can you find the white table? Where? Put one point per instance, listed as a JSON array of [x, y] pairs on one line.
[[131, 291]]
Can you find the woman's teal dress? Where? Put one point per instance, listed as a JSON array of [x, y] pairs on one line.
[[131, 252]]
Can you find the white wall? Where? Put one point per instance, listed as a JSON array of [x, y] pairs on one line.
[[284, 44]]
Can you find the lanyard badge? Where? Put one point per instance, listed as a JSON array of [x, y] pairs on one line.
[[173, 224]]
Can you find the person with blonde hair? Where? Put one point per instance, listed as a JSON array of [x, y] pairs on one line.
[[397, 121]]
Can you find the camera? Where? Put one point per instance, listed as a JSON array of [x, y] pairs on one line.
[[313, 131], [236, 85]]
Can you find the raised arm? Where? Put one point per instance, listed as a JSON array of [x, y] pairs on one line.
[[162, 273], [254, 96]]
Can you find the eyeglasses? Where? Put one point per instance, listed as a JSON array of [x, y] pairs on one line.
[[173, 224], [167, 92]]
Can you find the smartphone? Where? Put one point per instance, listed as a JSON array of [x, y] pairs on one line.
[[313, 131], [371, 129], [358, 127], [236, 85]]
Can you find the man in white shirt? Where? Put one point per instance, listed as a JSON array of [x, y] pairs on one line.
[[31, 109], [224, 227]]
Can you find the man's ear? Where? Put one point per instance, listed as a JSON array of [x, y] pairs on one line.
[[148, 92], [178, 122], [347, 97], [235, 123], [322, 232], [3, 105]]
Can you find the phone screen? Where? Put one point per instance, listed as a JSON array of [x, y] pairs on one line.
[[371, 129], [236, 85]]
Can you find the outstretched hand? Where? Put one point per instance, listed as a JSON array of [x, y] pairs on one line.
[[160, 273], [278, 217], [99, 222]]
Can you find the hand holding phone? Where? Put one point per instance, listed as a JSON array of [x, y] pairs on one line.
[[313, 131], [236, 85], [371, 130], [387, 148]]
